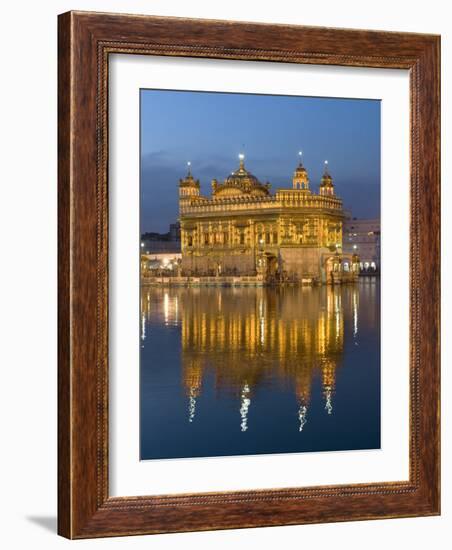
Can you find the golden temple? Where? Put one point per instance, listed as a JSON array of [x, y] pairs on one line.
[[243, 231]]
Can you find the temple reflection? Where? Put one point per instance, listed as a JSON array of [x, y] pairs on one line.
[[248, 338]]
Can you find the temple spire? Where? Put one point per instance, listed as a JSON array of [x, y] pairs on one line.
[[326, 183], [242, 161], [300, 178]]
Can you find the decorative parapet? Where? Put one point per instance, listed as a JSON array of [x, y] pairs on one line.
[[284, 198]]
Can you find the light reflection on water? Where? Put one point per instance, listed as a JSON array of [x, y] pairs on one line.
[[228, 371]]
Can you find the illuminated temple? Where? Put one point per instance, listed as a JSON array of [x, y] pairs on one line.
[[243, 230]]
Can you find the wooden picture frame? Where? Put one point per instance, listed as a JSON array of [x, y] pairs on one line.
[[86, 40]]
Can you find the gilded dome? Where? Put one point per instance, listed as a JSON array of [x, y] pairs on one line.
[[300, 170], [241, 182], [189, 180], [327, 180]]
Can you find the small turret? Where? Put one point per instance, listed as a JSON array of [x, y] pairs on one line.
[[326, 183], [188, 187], [300, 178]]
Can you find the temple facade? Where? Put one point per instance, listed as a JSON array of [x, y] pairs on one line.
[[245, 230]]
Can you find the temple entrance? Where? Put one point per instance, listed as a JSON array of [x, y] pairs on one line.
[[332, 269], [272, 270]]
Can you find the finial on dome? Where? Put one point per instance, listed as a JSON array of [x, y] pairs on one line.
[[326, 166], [189, 168], [242, 160]]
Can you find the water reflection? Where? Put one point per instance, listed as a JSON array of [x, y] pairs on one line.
[[252, 338]]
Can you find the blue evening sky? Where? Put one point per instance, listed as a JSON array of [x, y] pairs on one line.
[[211, 129]]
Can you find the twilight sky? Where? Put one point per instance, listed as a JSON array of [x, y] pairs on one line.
[[211, 129]]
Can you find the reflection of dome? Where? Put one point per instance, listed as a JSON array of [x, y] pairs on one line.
[[240, 182]]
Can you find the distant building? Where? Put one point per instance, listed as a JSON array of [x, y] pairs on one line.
[[174, 230], [362, 237], [159, 263], [160, 252], [243, 229], [159, 247], [152, 242]]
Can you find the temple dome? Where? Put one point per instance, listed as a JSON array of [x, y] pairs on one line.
[[189, 181], [300, 170], [241, 182], [327, 180]]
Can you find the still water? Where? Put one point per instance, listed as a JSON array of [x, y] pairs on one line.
[[234, 371]]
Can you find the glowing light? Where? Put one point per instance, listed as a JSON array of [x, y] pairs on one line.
[[142, 245], [300, 153], [326, 162], [245, 402], [166, 307], [189, 163], [302, 416], [192, 405], [241, 156], [328, 401], [143, 327], [262, 321], [354, 247]]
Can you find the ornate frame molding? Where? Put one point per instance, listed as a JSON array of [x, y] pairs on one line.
[[85, 42]]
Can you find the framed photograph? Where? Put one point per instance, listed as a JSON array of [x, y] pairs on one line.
[[248, 275]]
